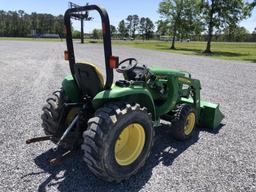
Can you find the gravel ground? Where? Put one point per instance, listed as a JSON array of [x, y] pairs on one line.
[[223, 160]]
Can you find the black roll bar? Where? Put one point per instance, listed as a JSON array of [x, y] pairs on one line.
[[106, 39]]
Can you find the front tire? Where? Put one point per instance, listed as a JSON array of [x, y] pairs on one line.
[[183, 122], [118, 141]]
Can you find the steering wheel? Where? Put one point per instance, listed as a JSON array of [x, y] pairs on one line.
[[124, 66]]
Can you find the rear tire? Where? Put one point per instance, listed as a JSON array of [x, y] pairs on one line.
[[183, 122], [102, 151], [55, 119]]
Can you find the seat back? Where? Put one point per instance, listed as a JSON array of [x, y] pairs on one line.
[[89, 78]]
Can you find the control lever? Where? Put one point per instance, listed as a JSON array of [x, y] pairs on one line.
[[153, 85]]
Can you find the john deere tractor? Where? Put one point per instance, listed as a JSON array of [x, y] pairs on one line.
[[114, 122]]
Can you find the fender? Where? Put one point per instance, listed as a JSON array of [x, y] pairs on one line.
[[131, 94], [70, 89]]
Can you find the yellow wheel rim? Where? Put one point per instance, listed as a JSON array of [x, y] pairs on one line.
[[190, 123], [130, 144], [71, 115]]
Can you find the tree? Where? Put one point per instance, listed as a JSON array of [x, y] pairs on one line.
[[191, 24], [76, 34], [113, 30], [162, 27], [218, 14], [180, 15], [235, 33], [96, 34], [171, 11], [149, 28], [129, 24], [58, 25], [135, 24], [142, 26], [122, 29], [146, 27], [132, 24], [254, 35]]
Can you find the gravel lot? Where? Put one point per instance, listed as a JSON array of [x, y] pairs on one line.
[[224, 160]]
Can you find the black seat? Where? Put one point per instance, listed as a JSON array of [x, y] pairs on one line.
[[89, 78]]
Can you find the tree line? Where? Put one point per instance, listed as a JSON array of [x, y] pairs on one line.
[[21, 24], [230, 34], [130, 28]]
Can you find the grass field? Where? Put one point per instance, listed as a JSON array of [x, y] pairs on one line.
[[221, 50]]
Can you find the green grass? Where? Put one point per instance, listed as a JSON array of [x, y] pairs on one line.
[[222, 50]]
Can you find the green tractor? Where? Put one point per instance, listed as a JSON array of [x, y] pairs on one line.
[[114, 123]]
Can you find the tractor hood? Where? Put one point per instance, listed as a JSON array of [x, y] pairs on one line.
[[167, 72]]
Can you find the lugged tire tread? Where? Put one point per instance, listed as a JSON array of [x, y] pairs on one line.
[[96, 133], [179, 116]]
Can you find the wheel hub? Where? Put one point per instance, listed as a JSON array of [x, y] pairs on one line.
[[129, 144], [190, 123]]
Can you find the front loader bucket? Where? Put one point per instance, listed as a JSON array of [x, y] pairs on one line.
[[210, 115]]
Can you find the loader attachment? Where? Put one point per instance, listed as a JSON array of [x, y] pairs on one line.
[[210, 114]]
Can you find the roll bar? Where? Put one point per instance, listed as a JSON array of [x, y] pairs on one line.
[[106, 39]]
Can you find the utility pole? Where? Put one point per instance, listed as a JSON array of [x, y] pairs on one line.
[[82, 16], [82, 31]]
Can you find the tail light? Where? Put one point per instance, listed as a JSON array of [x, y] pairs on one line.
[[66, 56], [113, 62]]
